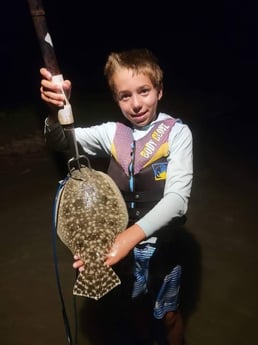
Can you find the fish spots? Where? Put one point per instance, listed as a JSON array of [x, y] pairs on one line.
[[91, 212]]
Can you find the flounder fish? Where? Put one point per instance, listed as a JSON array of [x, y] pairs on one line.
[[90, 212]]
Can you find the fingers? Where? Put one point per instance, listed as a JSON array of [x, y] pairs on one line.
[[52, 92], [45, 73], [78, 264]]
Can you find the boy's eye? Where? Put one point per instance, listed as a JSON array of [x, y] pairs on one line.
[[144, 91], [123, 97]]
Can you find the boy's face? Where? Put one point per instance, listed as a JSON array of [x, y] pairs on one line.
[[136, 97]]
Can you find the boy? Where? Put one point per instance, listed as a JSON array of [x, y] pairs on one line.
[[151, 162]]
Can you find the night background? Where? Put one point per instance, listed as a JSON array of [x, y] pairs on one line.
[[208, 52]]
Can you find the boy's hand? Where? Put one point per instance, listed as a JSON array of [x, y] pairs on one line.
[[124, 242], [52, 92]]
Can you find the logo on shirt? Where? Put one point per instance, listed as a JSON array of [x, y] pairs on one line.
[[160, 170], [156, 137]]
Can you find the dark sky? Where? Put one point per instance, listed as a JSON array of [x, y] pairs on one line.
[[208, 45]]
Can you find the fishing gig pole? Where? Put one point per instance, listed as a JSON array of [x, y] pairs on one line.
[[65, 118], [65, 114]]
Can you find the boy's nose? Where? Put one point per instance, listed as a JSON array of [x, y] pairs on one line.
[[136, 104]]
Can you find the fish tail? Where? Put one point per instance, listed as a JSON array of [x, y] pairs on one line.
[[95, 283]]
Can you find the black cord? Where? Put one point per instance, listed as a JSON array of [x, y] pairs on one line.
[[54, 240]]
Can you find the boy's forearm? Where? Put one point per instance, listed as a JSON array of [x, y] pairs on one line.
[[54, 135]]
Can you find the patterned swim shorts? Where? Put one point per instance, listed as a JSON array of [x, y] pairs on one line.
[[167, 297]]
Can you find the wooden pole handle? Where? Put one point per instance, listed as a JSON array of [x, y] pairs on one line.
[[46, 45]]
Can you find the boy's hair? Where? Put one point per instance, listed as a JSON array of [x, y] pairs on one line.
[[137, 60]]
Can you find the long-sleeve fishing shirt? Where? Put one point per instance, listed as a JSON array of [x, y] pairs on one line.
[[97, 140]]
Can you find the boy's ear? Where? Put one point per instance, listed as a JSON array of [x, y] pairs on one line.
[[160, 93]]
